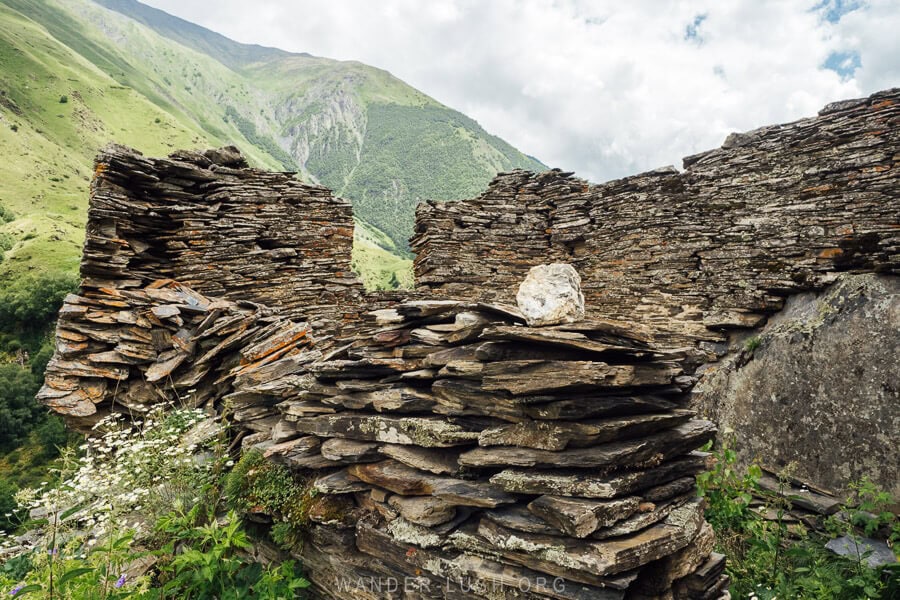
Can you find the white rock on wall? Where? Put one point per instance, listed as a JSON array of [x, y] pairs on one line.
[[551, 295]]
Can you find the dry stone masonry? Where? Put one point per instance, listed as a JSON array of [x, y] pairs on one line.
[[457, 452], [128, 349], [720, 245], [209, 222], [492, 459], [461, 447]]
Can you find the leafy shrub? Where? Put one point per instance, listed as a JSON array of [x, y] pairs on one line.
[[29, 305], [209, 563], [96, 522], [7, 216], [18, 409], [766, 559], [63, 99]]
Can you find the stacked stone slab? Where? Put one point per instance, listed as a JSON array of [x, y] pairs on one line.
[[487, 458], [126, 350], [223, 229], [718, 246]]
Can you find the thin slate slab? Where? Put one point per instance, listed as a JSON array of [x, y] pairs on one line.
[[546, 435], [428, 432], [656, 447], [522, 377], [585, 484], [406, 481]]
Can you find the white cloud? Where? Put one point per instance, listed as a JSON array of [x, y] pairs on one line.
[[602, 88]]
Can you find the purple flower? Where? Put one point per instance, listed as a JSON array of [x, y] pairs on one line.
[[15, 590], [53, 552], [120, 582]]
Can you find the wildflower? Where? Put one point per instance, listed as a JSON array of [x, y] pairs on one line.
[[16, 590], [120, 582]]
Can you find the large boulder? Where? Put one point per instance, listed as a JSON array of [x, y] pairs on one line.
[[551, 295], [818, 386]]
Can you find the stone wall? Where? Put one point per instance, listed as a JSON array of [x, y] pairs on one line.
[[775, 211], [211, 223], [453, 452]]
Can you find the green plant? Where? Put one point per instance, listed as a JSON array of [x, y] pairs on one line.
[[259, 485], [752, 343], [727, 490], [18, 410], [768, 557], [208, 562], [96, 520], [63, 99], [287, 536]]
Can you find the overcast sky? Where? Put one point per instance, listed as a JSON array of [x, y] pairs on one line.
[[604, 88]]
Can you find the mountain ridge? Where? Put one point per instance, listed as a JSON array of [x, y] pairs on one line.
[[357, 129]]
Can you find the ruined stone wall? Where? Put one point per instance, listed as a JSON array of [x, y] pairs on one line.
[[211, 223], [773, 212]]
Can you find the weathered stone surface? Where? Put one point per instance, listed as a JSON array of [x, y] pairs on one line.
[[547, 435], [442, 461], [578, 517], [406, 481], [339, 482], [428, 432], [523, 377], [593, 485], [875, 552], [423, 510], [349, 451], [654, 448], [601, 557], [480, 577], [551, 295], [817, 388]]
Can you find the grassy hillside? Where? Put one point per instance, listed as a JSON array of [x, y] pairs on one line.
[[357, 129], [56, 110], [76, 74]]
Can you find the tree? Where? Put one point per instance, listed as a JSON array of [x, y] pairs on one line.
[[19, 412]]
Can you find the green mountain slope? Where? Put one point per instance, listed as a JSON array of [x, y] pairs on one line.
[[357, 129], [138, 76]]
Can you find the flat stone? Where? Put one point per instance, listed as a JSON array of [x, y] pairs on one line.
[[655, 448], [875, 552], [406, 481], [580, 517]]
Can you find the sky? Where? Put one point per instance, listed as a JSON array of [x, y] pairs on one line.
[[602, 88]]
